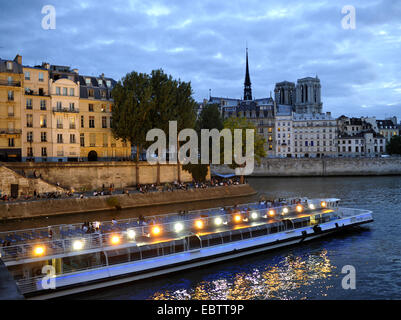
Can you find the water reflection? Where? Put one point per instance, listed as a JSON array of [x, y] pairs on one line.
[[289, 278]]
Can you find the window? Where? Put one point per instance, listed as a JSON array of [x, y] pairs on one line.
[[72, 93], [29, 152], [41, 78], [43, 137], [72, 138], [108, 83], [9, 65], [42, 104], [44, 152], [29, 136], [10, 95], [111, 122], [82, 139], [43, 121], [105, 140], [72, 123], [103, 94], [59, 123], [10, 80], [100, 82], [90, 107], [29, 120], [91, 122], [29, 104], [72, 106], [10, 111], [82, 121], [11, 142], [90, 93], [92, 139], [59, 105], [65, 91], [104, 122], [27, 75], [87, 81], [58, 90], [59, 138]]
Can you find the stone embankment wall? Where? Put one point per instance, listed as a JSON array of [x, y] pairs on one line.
[[26, 185], [95, 175], [323, 167], [16, 210]]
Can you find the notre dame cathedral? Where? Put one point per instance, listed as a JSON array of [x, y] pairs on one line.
[[305, 97]]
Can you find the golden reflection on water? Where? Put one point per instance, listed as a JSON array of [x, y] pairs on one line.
[[288, 279]]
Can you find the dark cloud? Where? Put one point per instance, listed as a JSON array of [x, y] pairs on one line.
[[204, 42]]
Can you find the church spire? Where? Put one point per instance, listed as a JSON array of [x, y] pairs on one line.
[[247, 83]]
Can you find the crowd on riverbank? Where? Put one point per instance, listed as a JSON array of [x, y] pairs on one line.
[[139, 188]]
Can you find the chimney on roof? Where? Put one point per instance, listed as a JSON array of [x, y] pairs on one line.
[[18, 59], [102, 75], [46, 65], [75, 71]]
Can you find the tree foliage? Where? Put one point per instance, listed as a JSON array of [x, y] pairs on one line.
[[394, 146], [242, 123], [143, 102], [209, 118]]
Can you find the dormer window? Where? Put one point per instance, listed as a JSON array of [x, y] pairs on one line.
[[87, 81], [108, 83], [9, 65], [100, 82]]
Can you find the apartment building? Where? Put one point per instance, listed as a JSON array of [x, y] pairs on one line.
[[51, 113], [96, 104], [11, 96]]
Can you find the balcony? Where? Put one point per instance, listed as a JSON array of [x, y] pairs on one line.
[[10, 131], [10, 83], [68, 110], [59, 126]]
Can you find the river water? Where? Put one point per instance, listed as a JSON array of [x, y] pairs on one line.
[[308, 271]]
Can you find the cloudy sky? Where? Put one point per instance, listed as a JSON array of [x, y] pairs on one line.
[[204, 42]]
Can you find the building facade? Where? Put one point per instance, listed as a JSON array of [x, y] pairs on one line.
[[359, 137], [51, 113], [96, 103], [11, 98], [36, 115]]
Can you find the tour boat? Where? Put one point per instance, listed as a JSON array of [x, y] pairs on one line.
[[65, 259]]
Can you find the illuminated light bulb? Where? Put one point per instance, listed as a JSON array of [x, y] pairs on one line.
[[178, 227], [218, 221], [115, 239], [312, 206], [254, 215], [272, 213], [323, 204], [156, 230], [39, 250], [131, 234], [237, 218], [299, 208], [77, 245], [285, 210], [199, 224]]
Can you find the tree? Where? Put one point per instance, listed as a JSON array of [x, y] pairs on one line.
[[242, 123], [394, 146], [209, 118], [133, 106], [143, 102]]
